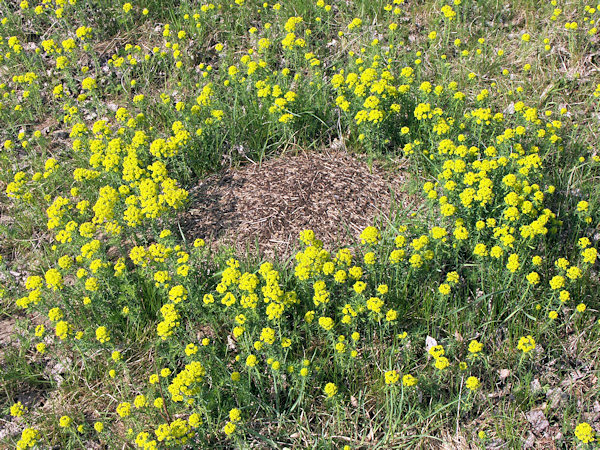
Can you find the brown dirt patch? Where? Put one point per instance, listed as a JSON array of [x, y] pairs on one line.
[[7, 328], [335, 194]]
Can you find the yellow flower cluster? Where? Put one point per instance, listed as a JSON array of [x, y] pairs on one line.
[[185, 383]]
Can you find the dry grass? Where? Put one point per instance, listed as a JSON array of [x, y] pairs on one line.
[[263, 207]]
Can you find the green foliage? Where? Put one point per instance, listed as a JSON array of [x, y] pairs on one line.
[[439, 327]]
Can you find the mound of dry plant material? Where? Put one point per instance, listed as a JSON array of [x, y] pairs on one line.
[[333, 193]]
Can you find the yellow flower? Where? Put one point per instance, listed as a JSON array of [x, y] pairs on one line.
[[391, 377], [369, 258], [326, 323], [533, 278], [408, 380], [54, 279], [452, 278], [251, 361], [17, 410], [55, 314], [574, 272], [140, 401], [526, 344], [229, 428], [472, 383], [124, 409], [63, 329], [444, 289], [513, 262], [235, 415], [88, 83], [29, 437], [475, 346], [370, 235], [195, 420], [557, 282], [582, 206], [102, 334], [436, 351], [65, 421], [441, 363], [585, 433], [382, 289], [330, 390], [191, 349]]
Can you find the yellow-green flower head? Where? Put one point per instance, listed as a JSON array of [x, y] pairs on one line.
[[475, 346], [330, 390], [17, 409], [195, 420], [557, 282], [55, 314], [473, 383], [391, 377], [533, 278], [436, 351], [63, 329], [370, 235], [235, 415], [29, 438], [307, 237], [526, 344], [229, 428], [408, 380], [585, 433], [442, 363], [65, 421], [54, 279], [513, 262], [124, 409], [444, 289], [326, 323], [102, 334], [251, 360]]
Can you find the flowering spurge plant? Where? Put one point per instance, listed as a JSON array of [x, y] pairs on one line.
[[134, 335]]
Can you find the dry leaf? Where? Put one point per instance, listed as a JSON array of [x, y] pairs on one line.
[[429, 343], [538, 421]]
